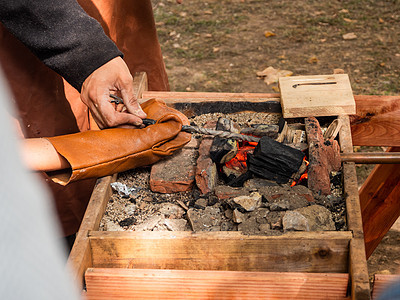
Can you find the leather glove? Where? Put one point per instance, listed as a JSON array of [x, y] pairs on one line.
[[99, 153]]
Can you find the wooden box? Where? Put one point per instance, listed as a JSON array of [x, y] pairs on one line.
[[316, 95], [199, 265]]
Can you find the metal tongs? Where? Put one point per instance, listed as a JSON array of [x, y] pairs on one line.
[[198, 130]]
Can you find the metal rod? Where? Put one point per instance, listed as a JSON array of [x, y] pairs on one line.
[[116, 99], [371, 157]]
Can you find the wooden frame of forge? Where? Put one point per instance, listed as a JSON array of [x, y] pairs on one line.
[[309, 265]]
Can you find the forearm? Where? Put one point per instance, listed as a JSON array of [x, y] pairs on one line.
[[40, 155], [61, 34]]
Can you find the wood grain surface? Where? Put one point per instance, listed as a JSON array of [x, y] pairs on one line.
[[187, 284]]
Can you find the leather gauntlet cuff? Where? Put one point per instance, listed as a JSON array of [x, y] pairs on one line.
[[105, 152]]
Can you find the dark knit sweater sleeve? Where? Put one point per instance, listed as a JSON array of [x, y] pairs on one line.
[[61, 34]]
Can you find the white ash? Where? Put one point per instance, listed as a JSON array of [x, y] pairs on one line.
[[243, 119]]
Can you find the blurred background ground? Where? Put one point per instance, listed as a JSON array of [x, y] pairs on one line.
[[219, 46]]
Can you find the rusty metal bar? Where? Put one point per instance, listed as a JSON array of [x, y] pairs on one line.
[[371, 157]]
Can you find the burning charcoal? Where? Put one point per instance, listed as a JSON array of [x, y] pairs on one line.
[[223, 150], [274, 161], [261, 130], [237, 166]]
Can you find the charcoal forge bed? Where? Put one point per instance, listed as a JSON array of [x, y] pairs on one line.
[[222, 264]]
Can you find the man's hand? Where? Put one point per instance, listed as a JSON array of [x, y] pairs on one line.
[[112, 77]]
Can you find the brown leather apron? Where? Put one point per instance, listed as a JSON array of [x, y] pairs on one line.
[[49, 106]]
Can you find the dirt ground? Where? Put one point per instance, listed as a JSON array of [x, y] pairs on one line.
[[219, 46]]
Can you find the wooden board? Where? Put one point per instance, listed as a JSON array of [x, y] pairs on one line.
[[233, 251], [317, 95], [377, 121], [380, 205], [176, 284]]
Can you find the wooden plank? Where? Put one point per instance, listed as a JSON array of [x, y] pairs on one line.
[[380, 205], [377, 121], [360, 288], [231, 251], [80, 257], [382, 282], [316, 95], [184, 284]]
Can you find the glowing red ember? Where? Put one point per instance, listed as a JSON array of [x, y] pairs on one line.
[[239, 161], [303, 176]]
